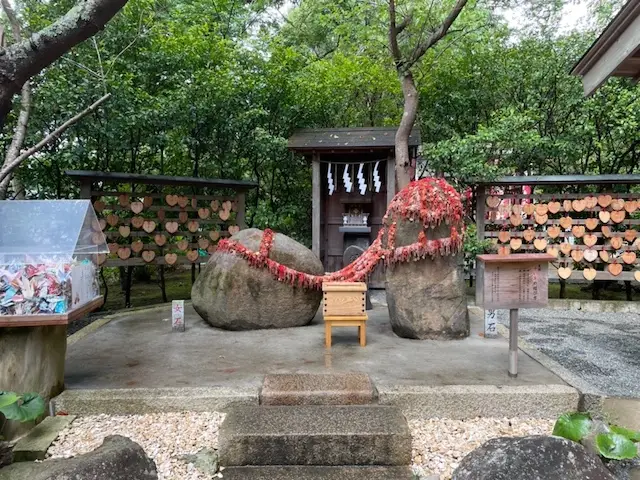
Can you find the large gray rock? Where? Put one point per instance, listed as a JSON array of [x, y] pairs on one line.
[[32, 360], [531, 458], [231, 294], [118, 458], [426, 298]]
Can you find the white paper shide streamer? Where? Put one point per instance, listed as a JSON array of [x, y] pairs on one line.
[[376, 178], [347, 179], [362, 185], [332, 186]]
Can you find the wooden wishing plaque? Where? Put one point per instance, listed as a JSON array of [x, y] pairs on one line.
[[513, 281]]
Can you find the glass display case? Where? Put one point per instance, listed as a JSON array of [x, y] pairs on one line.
[[48, 260]]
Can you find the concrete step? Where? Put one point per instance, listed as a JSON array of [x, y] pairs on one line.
[[315, 435], [340, 388], [317, 473]]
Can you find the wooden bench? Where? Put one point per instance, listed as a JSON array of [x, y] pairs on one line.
[[344, 305]]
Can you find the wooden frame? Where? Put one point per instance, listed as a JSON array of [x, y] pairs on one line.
[[11, 321], [344, 305]]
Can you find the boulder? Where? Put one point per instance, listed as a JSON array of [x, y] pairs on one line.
[[118, 458], [231, 294], [426, 298], [531, 458]]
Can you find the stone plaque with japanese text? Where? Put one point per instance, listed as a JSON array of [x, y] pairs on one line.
[[513, 281]]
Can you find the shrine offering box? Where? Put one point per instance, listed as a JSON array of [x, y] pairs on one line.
[[344, 298], [48, 261], [512, 281]]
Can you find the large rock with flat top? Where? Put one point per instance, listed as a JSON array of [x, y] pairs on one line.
[[426, 298], [531, 458], [118, 458], [231, 294]]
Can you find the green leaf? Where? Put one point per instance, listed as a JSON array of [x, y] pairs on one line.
[[615, 446], [28, 407], [7, 398], [574, 426], [632, 435]]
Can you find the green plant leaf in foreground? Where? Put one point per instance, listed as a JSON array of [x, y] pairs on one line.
[[632, 435], [7, 398], [615, 446], [28, 407], [574, 426]]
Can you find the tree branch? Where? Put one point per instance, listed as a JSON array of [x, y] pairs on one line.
[[7, 169], [437, 35], [25, 59], [404, 24], [393, 35]]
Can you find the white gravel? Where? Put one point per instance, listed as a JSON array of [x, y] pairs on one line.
[[438, 444]]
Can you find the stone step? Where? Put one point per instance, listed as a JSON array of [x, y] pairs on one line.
[[317, 473], [340, 388], [315, 435]]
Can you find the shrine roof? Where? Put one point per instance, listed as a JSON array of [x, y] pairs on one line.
[[323, 139]]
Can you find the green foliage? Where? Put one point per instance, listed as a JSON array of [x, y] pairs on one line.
[[615, 446], [22, 408], [573, 426], [632, 435]]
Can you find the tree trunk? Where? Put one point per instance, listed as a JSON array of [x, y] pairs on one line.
[[6, 454], [403, 160]]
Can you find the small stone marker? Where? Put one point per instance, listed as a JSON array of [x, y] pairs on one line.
[[512, 281], [177, 315]]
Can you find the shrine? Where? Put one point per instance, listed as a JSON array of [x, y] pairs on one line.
[[353, 182]]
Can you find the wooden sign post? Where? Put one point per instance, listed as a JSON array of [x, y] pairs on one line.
[[513, 281]]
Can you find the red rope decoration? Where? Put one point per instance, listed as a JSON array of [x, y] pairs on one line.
[[430, 201]]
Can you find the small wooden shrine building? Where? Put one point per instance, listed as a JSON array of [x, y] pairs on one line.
[[353, 182]]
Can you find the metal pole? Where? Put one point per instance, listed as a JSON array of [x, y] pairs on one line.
[[513, 342]]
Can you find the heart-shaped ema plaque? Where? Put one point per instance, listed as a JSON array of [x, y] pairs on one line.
[[224, 215], [504, 250], [636, 275], [226, 205], [591, 223], [214, 235], [193, 226], [553, 231], [113, 219], [591, 201], [566, 222], [183, 217], [564, 272], [204, 213], [194, 203], [617, 204], [233, 229], [172, 200], [590, 255], [589, 273], [516, 220], [183, 201], [515, 243], [516, 209], [170, 258], [630, 206], [553, 251], [124, 231], [577, 255], [540, 244], [566, 205], [137, 222], [541, 219], [98, 206], [113, 247], [554, 207], [124, 253], [102, 223], [618, 216], [606, 231], [123, 199], [215, 205], [590, 239], [148, 255], [629, 257], [160, 239], [183, 244], [161, 215], [212, 249], [604, 216], [149, 226], [203, 243], [579, 205], [137, 207], [615, 269], [578, 231], [604, 255], [147, 202], [630, 234], [616, 243], [529, 208], [565, 248], [171, 227], [528, 235], [504, 236], [192, 255], [102, 257], [542, 209], [137, 246], [604, 200]]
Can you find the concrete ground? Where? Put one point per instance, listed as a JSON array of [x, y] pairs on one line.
[[139, 350], [600, 349]]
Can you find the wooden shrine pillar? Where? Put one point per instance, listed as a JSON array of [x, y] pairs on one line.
[[315, 208]]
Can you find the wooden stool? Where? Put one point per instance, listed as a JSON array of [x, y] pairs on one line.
[[345, 306]]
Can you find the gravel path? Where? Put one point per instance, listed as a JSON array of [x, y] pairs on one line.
[[438, 444], [602, 349]]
